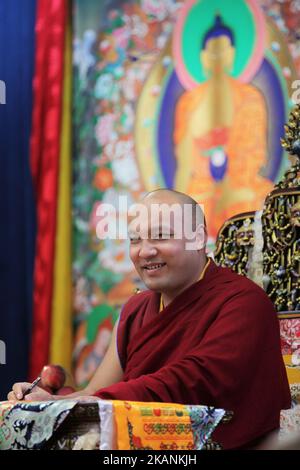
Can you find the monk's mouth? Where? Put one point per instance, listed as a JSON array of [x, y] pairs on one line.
[[154, 267]]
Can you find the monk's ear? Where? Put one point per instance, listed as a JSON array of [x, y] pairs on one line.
[[201, 237]]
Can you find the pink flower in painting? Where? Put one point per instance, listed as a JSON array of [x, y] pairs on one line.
[[113, 14], [105, 129], [121, 36]]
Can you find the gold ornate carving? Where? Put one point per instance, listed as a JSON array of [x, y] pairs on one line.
[[235, 242], [279, 256]]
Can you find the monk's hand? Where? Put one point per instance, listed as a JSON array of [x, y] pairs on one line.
[[37, 394], [18, 391]]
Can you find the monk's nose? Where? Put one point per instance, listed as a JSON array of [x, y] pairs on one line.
[[147, 249]]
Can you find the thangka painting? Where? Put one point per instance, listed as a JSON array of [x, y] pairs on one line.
[[187, 95]]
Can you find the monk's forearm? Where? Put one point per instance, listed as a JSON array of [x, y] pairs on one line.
[[109, 371], [133, 390], [177, 383]]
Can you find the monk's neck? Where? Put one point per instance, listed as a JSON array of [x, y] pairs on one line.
[[167, 298]]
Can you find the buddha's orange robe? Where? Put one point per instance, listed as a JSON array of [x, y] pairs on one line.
[[245, 144]]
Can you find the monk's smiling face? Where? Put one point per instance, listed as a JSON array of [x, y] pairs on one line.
[[161, 252]]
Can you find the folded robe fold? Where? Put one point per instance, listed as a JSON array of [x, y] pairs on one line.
[[217, 343]]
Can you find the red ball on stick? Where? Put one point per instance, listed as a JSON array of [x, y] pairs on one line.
[[53, 376]]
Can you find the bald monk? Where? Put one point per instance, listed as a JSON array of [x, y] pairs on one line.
[[201, 334]]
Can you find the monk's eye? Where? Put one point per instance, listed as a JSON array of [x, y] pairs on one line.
[[163, 236], [134, 240]]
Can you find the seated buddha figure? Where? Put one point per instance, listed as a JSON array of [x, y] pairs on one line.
[[220, 135]]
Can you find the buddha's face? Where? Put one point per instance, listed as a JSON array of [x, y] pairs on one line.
[[218, 55]]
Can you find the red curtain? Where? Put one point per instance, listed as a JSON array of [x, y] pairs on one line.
[[45, 145]]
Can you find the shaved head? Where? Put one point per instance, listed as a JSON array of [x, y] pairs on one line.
[[170, 196]]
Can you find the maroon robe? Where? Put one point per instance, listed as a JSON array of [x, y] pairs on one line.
[[216, 344]]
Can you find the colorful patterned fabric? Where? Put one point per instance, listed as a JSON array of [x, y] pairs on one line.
[[163, 426], [204, 420], [107, 425], [290, 347], [44, 156], [123, 425], [295, 393], [30, 425]]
